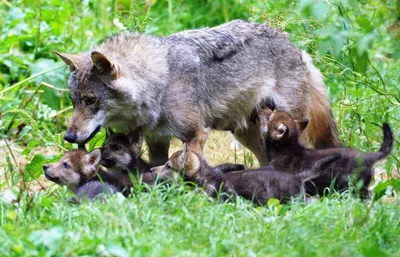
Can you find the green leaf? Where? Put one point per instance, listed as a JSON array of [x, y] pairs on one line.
[[34, 168], [31, 144], [364, 23], [319, 10], [97, 140], [382, 187], [24, 131], [49, 96]]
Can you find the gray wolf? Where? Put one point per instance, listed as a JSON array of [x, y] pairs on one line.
[[281, 136], [77, 168], [190, 82], [256, 185]]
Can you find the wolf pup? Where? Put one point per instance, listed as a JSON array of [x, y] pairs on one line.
[[80, 172], [256, 185], [187, 83], [122, 152], [281, 136]]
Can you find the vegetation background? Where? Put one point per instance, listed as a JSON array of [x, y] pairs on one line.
[[355, 43]]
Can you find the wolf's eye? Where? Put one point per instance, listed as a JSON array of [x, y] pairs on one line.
[[90, 100], [116, 147], [66, 165], [168, 166]]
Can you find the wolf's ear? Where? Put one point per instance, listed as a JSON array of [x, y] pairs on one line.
[[136, 138], [93, 158], [105, 65], [301, 125], [72, 60], [281, 130]]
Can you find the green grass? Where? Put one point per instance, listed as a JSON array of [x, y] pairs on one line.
[[350, 42], [178, 221]]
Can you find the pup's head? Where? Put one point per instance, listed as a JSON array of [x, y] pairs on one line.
[[184, 163], [74, 168], [280, 126], [95, 100], [121, 150]]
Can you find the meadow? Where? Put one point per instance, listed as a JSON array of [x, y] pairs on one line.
[[355, 44]]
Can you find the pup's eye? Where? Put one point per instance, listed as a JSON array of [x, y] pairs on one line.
[[168, 166], [116, 147], [90, 100], [66, 165]]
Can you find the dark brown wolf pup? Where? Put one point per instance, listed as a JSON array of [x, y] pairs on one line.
[[281, 136]]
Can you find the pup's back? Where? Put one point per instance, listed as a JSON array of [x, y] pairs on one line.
[[94, 189], [266, 183]]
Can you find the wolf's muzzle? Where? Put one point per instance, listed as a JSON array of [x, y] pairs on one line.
[[70, 136]]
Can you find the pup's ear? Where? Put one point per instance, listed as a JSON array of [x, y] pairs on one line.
[[265, 114], [136, 138], [301, 125], [281, 130], [105, 65], [184, 155], [91, 160], [72, 60]]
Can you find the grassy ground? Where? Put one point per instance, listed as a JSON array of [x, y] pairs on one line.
[[177, 221], [353, 43]]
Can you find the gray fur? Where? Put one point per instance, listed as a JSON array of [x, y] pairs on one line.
[[189, 82]]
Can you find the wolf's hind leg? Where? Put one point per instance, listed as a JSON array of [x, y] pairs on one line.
[[158, 149], [251, 139]]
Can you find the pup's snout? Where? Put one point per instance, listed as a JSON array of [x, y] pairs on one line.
[[153, 169], [45, 167], [70, 136]]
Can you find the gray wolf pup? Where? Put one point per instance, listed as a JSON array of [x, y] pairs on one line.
[[81, 173], [258, 185], [189, 82], [281, 134], [123, 153]]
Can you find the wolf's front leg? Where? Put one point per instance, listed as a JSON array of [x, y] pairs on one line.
[[158, 149], [196, 144]]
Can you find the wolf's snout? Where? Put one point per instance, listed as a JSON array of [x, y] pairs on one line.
[[45, 167], [153, 169], [70, 136]]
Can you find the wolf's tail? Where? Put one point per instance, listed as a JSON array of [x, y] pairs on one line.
[[386, 147], [322, 127], [317, 167]]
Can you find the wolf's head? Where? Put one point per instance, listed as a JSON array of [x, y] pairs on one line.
[[279, 126], [92, 84], [74, 168], [182, 163], [121, 150]]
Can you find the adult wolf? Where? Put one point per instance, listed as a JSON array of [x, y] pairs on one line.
[[192, 81]]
